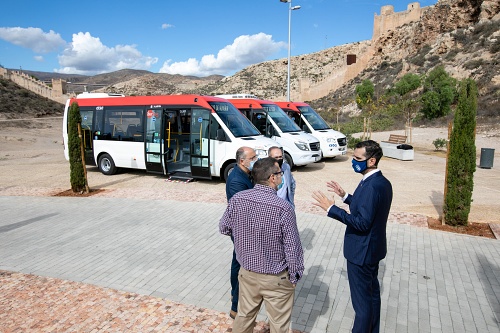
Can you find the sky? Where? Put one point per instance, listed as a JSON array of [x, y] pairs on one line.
[[195, 37]]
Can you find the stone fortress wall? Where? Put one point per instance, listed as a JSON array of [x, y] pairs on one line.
[[306, 89], [57, 92], [386, 21], [389, 20]]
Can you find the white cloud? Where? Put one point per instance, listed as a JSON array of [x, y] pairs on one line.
[[245, 50], [33, 38], [166, 26], [38, 58], [87, 55]]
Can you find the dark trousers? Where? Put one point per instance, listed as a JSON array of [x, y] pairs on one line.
[[365, 297], [235, 286]]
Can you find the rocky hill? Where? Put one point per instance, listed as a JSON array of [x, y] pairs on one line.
[[461, 35], [154, 83]]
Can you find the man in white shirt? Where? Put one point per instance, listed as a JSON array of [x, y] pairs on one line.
[[287, 191]]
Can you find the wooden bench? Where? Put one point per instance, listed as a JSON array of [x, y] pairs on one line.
[[390, 148], [394, 138]]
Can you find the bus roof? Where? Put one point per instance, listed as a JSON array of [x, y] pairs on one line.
[[290, 105], [98, 95], [234, 96], [147, 100], [249, 102]]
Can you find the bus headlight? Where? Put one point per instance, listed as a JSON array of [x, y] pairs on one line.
[[302, 145]]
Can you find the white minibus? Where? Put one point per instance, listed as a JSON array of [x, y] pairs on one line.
[[333, 143], [182, 136], [299, 147]]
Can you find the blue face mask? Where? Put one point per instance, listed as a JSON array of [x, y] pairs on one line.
[[250, 167], [281, 184], [359, 166]]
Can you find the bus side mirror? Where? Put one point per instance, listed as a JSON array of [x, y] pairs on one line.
[[271, 131], [221, 135]]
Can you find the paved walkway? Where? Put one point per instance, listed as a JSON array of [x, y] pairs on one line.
[[167, 268]]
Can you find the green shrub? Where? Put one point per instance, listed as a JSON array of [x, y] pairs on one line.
[[418, 60], [484, 29], [355, 125], [439, 143], [433, 59], [364, 93], [473, 64], [495, 46], [439, 92], [451, 55], [77, 173], [380, 124], [460, 36], [462, 157], [352, 142]]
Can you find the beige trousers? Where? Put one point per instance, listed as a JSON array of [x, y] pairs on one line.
[[276, 291]]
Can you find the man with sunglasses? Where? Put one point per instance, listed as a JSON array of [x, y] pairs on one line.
[[365, 242], [268, 247]]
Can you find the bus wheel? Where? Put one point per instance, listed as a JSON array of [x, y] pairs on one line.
[[228, 170], [288, 160], [106, 165]]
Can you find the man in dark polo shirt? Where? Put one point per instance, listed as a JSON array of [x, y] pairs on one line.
[[268, 247], [239, 180]]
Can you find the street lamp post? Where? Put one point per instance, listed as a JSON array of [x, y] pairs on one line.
[[290, 8]]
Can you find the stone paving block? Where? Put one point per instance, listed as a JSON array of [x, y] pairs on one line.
[[150, 256]]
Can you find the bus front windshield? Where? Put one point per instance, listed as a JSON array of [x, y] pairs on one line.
[[280, 118], [313, 118], [237, 123]]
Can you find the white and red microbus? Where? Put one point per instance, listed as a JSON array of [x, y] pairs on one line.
[[333, 143], [299, 148], [183, 136]]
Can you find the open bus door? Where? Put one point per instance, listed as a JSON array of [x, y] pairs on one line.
[[199, 143], [86, 127], [153, 143]]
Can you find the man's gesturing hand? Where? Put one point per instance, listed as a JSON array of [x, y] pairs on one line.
[[322, 200], [334, 187]]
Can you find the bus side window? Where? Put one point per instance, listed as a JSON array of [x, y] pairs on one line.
[[131, 130], [138, 137], [108, 130], [216, 131], [294, 116]]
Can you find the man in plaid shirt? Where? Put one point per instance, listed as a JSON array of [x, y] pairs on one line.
[[268, 247]]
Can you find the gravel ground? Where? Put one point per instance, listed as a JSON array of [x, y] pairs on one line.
[[32, 163]]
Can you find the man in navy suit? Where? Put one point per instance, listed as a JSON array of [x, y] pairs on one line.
[[365, 242]]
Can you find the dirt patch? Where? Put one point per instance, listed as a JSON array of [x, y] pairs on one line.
[[70, 193], [472, 229], [432, 152]]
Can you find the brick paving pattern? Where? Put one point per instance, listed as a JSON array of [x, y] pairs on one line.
[[161, 266], [33, 303]]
